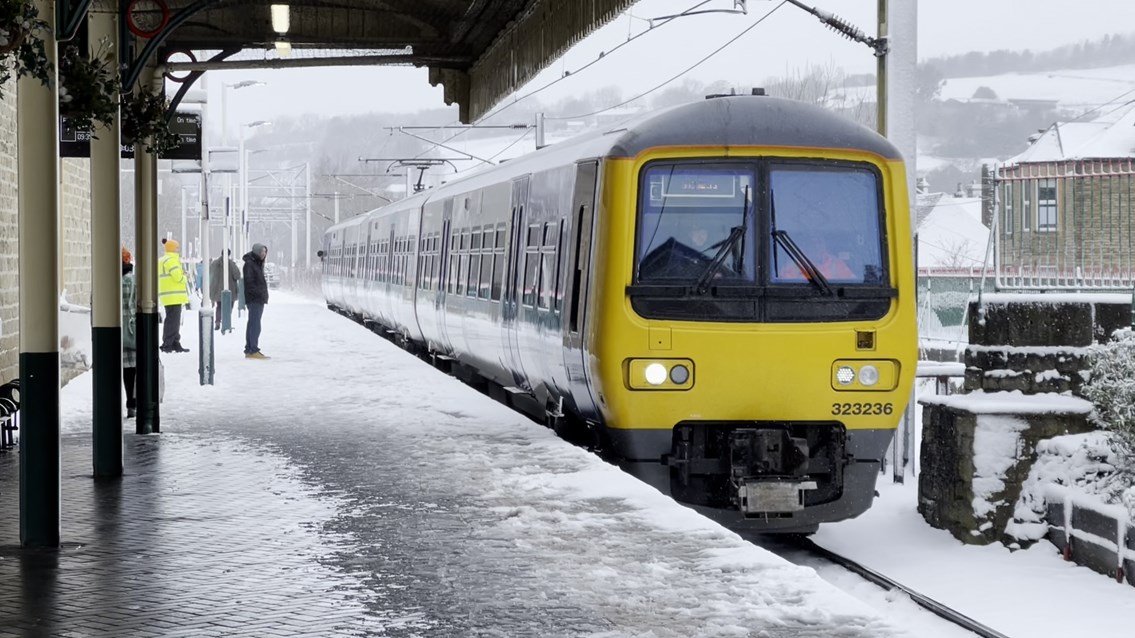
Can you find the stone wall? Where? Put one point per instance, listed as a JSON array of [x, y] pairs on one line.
[[1038, 343], [1026, 360], [976, 455], [74, 246], [9, 240]]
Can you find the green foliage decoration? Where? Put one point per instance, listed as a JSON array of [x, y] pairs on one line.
[[88, 87], [144, 117], [22, 49], [1111, 389]]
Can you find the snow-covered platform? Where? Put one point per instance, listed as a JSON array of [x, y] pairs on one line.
[[343, 487]]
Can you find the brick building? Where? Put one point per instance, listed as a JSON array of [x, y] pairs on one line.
[[1066, 208], [74, 243]]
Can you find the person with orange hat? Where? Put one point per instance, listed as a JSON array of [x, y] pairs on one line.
[[129, 333], [173, 294]]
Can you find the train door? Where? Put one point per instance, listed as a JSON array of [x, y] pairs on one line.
[[443, 275], [510, 302], [579, 267]]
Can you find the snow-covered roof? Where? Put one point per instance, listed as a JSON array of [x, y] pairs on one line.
[[950, 232], [1110, 135]]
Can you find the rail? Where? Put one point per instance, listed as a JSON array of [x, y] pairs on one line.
[[785, 546], [926, 602]]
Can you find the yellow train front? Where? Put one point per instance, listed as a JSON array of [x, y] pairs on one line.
[[721, 292], [754, 345]]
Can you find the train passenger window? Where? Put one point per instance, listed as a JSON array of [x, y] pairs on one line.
[[533, 235], [547, 285], [531, 273], [474, 271], [462, 270], [475, 242], [486, 275], [498, 264], [558, 301], [833, 217]]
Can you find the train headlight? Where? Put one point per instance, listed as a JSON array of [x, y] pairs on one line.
[[868, 375], [659, 374], [879, 375], [845, 375]]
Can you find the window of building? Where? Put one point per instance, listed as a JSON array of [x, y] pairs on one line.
[[1046, 205], [1027, 205], [1007, 207]]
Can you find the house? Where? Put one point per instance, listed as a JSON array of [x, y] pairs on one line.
[[1066, 217]]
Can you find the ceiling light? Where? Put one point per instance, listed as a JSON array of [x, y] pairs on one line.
[[280, 18]]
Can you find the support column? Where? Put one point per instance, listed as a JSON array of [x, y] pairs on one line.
[[37, 139], [146, 277], [106, 277]]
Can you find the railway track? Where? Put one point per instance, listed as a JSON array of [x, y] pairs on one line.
[[780, 546]]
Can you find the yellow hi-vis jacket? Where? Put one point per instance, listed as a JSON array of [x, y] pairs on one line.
[[172, 290]]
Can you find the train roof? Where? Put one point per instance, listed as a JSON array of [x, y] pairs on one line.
[[729, 121]]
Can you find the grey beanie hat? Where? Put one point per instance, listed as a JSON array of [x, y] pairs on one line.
[[256, 248]]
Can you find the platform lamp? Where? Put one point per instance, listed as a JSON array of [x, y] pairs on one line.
[[281, 22]]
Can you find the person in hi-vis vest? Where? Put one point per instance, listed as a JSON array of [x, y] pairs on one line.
[[173, 294]]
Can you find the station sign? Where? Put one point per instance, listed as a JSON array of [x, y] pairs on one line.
[[77, 143]]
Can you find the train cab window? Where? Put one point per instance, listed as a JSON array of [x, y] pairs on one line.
[[765, 239], [696, 222], [827, 220]]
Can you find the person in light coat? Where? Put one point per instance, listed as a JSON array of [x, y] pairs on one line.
[[217, 281]]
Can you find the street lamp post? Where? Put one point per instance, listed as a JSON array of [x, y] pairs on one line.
[[238, 237], [226, 240]]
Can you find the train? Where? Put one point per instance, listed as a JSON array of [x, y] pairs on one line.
[[718, 296]]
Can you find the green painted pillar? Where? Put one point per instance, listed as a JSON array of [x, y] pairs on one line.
[[106, 276], [38, 143]]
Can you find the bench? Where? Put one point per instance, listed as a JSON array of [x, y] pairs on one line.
[[9, 414]]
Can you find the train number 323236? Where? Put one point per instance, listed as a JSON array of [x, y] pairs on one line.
[[862, 409]]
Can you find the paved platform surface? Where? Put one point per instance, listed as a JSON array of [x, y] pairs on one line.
[[198, 538]]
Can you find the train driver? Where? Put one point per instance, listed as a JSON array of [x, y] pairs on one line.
[[829, 262]]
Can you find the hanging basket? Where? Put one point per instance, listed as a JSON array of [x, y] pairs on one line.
[[17, 38]]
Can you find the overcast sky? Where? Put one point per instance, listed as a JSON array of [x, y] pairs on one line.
[[789, 41]]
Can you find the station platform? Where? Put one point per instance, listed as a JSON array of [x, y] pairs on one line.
[[345, 488]]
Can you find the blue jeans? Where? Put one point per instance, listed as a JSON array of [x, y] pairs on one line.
[[252, 329]]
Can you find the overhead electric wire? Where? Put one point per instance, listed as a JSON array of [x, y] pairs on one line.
[[1107, 103], [602, 56], [687, 70], [514, 143]]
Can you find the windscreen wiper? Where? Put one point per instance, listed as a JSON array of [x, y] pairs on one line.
[[807, 266], [735, 235], [731, 243]]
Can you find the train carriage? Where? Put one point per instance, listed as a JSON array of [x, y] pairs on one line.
[[721, 292]]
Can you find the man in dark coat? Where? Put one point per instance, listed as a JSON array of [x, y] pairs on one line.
[[255, 297]]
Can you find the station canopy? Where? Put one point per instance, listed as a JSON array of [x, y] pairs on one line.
[[480, 51]]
